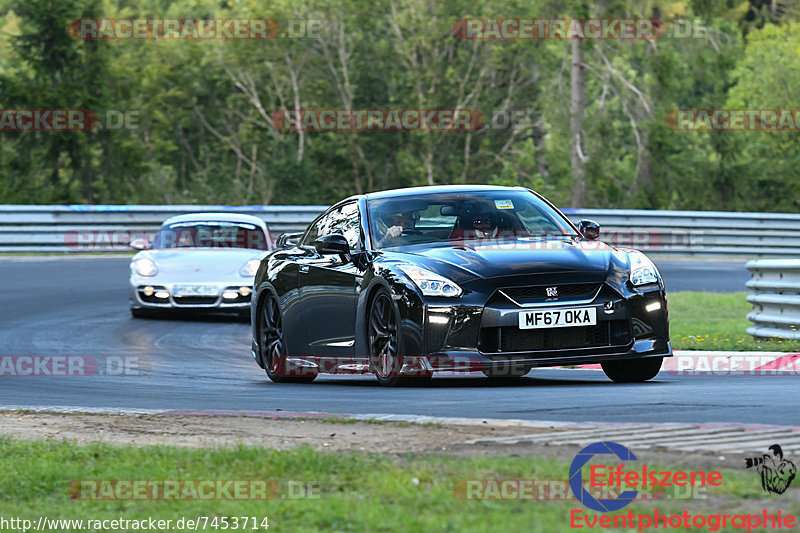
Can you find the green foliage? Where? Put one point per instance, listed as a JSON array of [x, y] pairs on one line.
[[205, 135]]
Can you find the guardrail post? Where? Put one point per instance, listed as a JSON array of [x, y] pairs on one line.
[[775, 286]]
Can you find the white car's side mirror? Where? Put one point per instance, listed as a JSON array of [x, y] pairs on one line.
[[140, 244]]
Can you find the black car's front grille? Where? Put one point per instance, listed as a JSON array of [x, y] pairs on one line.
[[514, 339], [567, 291], [194, 300]]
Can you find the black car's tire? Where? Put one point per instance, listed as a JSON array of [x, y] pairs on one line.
[[141, 313], [271, 346], [506, 371], [633, 371], [383, 342]]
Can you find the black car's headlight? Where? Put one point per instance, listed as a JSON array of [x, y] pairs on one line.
[[431, 283], [643, 271], [145, 266]]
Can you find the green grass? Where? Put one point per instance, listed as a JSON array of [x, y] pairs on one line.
[[357, 492], [716, 321]]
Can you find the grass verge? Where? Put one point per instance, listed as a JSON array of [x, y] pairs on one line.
[[355, 492], [716, 321]]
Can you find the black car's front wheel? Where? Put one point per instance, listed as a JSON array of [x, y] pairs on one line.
[[383, 340], [633, 371], [272, 346]]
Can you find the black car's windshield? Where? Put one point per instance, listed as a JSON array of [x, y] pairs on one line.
[[447, 217], [211, 234]]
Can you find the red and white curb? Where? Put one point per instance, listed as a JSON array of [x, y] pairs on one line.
[[714, 363]]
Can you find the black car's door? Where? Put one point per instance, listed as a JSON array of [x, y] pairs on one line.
[[286, 283], [328, 286]]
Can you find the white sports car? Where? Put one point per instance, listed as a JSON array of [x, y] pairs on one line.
[[199, 261]]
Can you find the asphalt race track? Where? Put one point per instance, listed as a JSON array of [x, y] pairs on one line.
[[78, 307]]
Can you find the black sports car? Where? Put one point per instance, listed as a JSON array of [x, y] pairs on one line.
[[408, 282]]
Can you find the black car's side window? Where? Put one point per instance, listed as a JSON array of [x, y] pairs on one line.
[[343, 220], [348, 224], [314, 231]]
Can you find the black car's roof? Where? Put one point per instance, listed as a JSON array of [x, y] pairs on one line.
[[413, 191]]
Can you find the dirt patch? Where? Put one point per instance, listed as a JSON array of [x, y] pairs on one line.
[[204, 431], [286, 433]]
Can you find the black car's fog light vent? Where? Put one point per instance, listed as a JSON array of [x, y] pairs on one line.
[[513, 339]]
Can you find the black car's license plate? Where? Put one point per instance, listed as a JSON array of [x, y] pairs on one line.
[[558, 318]]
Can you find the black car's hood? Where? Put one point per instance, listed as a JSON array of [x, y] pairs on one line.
[[483, 260]]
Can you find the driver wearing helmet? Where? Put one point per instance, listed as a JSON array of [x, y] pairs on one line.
[[396, 223]]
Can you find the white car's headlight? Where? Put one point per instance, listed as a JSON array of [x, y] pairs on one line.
[[431, 283], [145, 266], [643, 271], [250, 268]]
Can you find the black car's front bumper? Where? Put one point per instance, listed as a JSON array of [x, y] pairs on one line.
[[476, 333]]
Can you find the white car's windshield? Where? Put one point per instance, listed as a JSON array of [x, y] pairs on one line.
[[211, 234]]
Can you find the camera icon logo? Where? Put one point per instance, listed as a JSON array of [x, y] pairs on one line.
[[775, 470]]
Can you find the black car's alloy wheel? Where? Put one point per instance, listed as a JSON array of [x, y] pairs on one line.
[[633, 371], [272, 347], [383, 340]]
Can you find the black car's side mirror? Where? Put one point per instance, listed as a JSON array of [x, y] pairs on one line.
[[589, 229], [332, 244]]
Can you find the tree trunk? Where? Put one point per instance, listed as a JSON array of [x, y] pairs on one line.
[[577, 105]]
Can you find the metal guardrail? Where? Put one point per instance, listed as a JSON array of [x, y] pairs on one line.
[[775, 286], [96, 228], [101, 228]]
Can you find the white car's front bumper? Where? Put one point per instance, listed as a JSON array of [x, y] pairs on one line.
[[153, 294]]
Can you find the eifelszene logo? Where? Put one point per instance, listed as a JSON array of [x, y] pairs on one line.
[[617, 477], [576, 477], [776, 471]]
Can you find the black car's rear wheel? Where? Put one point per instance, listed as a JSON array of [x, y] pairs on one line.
[[633, 371], [272, 347]]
